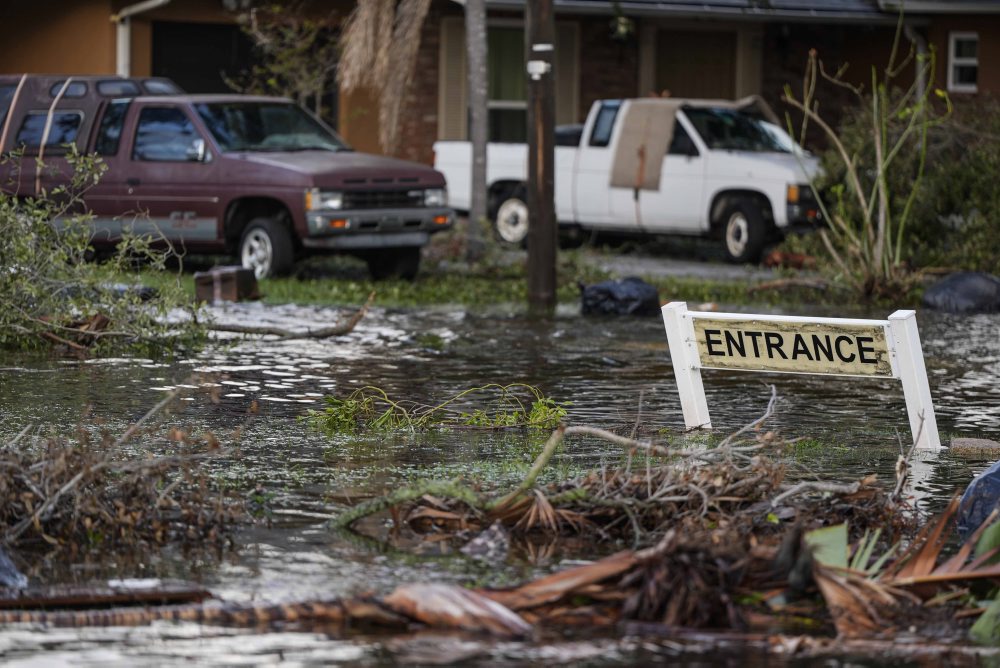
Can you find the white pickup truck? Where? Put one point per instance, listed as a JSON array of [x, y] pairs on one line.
[[726, 172]]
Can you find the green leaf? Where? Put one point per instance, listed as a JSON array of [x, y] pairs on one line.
[[829, 545], [990, 540], [863, 552], [986, 630]]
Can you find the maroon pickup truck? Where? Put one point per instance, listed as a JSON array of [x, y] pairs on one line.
[[257, 177]]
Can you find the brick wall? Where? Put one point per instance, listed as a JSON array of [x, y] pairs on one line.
[[419, 116], [786, 50], [608, 69]]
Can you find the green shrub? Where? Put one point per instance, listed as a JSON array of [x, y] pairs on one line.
[[52, 294], [954, 220], [873, 172], [958, 212]]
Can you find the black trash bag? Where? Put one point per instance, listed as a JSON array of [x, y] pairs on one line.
[[979, 500], [965, 292], [629, 296]]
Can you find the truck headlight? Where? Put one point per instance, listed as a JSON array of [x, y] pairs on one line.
[[317, 199], [436, 197]]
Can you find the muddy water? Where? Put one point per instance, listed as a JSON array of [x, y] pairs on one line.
[[614, 372]]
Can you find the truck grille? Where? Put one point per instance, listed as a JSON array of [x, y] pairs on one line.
[[383, 199]]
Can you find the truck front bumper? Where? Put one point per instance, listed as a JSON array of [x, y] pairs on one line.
[[359, 229], [804, 216]]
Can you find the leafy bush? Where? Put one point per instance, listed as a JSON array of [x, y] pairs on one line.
[[957, 221], [52, 294], [874, 172], [955, 214]]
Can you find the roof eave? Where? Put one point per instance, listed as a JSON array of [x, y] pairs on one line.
[[643, 10], [938, 7]]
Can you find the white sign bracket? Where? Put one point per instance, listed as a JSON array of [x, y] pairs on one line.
[[789, 344]]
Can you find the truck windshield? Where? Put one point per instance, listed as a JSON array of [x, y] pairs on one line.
[[731, 130], [266, 126]]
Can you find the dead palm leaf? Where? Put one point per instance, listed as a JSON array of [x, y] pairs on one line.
[[541, 514]]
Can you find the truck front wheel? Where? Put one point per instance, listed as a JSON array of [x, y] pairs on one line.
[[511, 220], [744, 231], [266, 248]]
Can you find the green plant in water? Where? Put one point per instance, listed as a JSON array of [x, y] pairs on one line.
[[872, 204], [370, 409]]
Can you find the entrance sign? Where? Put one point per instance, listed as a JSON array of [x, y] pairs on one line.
[[790, 344]]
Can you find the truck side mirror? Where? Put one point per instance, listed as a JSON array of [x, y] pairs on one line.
[[196, 151]]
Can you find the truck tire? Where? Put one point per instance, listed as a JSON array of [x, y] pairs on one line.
[[511, 219], [394, 263], [744, 231], [266, 248]]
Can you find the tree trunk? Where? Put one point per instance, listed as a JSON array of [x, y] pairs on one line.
[[476, 46], [540, 55]]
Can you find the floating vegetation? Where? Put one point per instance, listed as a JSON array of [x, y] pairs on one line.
[[370, 409], [722, 540], [82, 492]]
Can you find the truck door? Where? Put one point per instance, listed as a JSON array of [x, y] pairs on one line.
[[104, 200], [677, 206], [169, 178], [593, 167]]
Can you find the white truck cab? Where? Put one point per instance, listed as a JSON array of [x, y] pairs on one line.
[[713, 168]]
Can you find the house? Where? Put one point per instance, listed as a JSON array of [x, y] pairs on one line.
[[691, 48]]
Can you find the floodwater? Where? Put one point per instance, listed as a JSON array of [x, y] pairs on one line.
[[615, 372]]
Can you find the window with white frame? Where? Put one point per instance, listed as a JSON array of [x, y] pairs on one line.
[[963, 61]]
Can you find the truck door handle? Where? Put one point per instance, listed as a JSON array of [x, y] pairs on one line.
[[132, 182]]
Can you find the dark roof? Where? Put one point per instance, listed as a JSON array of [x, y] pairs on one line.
[[942, 6], [798, 10]]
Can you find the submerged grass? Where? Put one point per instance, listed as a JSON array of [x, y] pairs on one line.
[[370, 409]]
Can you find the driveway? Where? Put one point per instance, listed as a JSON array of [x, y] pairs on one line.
[[622, 265]]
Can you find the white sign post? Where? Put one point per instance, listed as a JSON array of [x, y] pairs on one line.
[[790, 344]]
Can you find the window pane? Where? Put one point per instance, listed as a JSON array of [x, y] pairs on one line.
[[164, 133], [117, 88], [966, 47], [506, 64], [601, 134], [509, 125], [63, 131], [265, 126], [730, 130], [681, 144], [161, 87], [965, 75], [110, 132], [6, 96], [74, 89]]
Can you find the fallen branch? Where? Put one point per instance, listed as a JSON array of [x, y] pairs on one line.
[[449, 489], [816, 486], [340, 329]]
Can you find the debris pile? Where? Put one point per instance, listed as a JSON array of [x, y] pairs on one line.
[[82, 493]]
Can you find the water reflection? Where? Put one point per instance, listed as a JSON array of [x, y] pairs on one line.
[[615, 372]]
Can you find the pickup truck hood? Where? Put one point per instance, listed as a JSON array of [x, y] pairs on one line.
[[772, 166], [348, 170]]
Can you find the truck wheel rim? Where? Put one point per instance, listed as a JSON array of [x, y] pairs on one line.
[[512, 221], [737, 234], [257, 253]]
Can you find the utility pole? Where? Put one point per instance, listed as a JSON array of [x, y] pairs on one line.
[[476, 50], [540, 44]]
